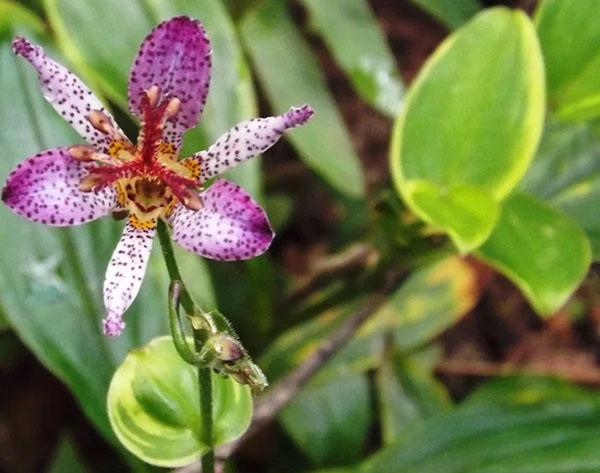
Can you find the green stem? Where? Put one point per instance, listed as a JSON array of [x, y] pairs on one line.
[[205, 382], [177, 330], [172, 269], [207, 460]]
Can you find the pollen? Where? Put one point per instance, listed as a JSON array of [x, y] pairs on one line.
[[141, 225], [148, 179]]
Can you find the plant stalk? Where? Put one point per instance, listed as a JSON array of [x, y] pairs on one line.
[[207, 461]]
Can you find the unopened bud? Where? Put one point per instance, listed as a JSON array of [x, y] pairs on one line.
[[227, 348]]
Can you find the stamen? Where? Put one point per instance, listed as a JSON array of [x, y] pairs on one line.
[[82, 152], [89, 182], [173, 107], [152, 94], [120, 214], [101, 122], [192, 200]]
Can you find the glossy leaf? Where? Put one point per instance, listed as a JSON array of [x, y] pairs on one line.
[[407, 393], [542, 251], [352, 34], [524, 425], [453, 13], [52, 278], [102, 45], [566, 174], [330, 422], [430, 301], [570, 39], [471, 125], [289, 74], [153, 406]]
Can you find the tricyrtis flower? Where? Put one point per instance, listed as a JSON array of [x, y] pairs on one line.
[[168, 85]]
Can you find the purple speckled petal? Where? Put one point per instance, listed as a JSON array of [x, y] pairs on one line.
[[124, 275], [247, 139], [176, 57], [45, 188], [69, 96], [230, 226]]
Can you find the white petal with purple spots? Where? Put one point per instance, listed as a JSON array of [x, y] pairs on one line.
[[69, 96], [45, 189], [248, 139], [124, 275], [230, 226], [175, 57]]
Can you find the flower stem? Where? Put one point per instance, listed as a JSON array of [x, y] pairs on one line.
[[207, 460]]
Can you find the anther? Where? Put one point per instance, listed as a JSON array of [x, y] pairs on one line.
[[173, 107], [152, 94], [101, 122], [89, 183], [82, 152], [120, 214], [192, 200]]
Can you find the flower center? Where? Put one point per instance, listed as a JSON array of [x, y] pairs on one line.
[[148, 178]]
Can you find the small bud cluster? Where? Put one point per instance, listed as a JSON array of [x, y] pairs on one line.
[[225, 354]]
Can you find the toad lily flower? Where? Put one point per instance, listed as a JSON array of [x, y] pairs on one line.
[[168, 85]]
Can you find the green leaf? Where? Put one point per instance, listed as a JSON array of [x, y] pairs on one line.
[[526, 425], [408, 393], [566, 174], [13, 15], [542, 251], [52, 279], [570, 39], [352, 34], [102, 45], [153, 406], [290, 75], [453, 13], [330, 422], [66, 458], [471, 124], [466, 211], [430, 301]]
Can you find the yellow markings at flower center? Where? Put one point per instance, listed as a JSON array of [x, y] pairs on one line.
[[147, 196]]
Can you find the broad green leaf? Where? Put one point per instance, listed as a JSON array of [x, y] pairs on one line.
[[453, 13], [570, 39], [51, 279], [66, 459], [102, 45], [471, 124], [12, 15], [330, 422], [524, 425], [542, 251], [465, 211], [290, 75], [566, 174], [352, 34], [430, 301], [153, 406], [407, 393]]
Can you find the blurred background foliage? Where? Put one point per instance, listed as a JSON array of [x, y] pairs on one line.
[[411, 392]]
